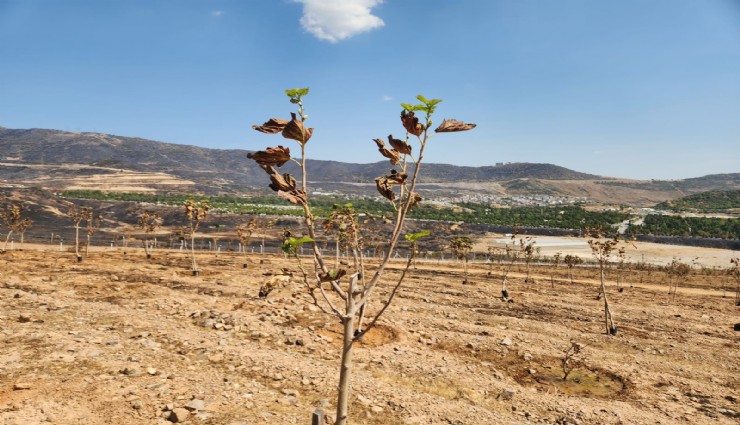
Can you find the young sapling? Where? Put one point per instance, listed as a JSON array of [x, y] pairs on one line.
[[344, 292]]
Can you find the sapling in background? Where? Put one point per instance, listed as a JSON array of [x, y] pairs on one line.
[[12, 217], [244, 233], [195, 212], [78, 215], [572, 358], [676, 271], [571, 261], [603, 248], [149, 222], [526, 247], [513, 256], [556, 262], [344, 292], [91, 227], [735, 273], [461, 247]]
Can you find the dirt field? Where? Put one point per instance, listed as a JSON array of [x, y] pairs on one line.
[[651, 253], [117, 339]]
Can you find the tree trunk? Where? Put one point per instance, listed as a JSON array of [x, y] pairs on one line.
[[192, 251], [7, 238], [608, 321], [465, 268], [77, 241], [345, 370]]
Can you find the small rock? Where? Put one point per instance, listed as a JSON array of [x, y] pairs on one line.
[[506, 341], [21, 386], [506, 395], [131, 371], [196, 404], [24, 318], [364, 400], [178, 415], [527, 357]]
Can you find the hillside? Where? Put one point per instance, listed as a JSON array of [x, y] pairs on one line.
[[61, 160], [710, 201]]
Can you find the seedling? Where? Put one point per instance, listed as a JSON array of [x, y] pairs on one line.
[[149, 222], [513, 255], [676, 271], [195, 212], [91, 227], [12, 218], [461, 247], [735, 273], [571, 261], [527, 250], [341, 292], [244, 232], [572, 358], [556, 262], [78, 215], [603, 248]]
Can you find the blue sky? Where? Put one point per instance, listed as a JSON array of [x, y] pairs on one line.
[[630, 88]]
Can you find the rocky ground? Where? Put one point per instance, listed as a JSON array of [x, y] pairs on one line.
[[117, 339]]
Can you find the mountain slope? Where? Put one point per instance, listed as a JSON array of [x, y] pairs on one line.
[[62, 160]]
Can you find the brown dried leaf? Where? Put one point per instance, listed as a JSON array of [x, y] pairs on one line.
[[284, 182], [385, 188], [390, 154], [297, 197], [271, 156], [449, 126], [411, 123], [415, 199], [274, 125], [385, 183], [296, 131], [397, 178], [399, 145]]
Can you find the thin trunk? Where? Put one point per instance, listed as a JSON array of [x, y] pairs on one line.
[[336, 261], [192, 250], [7, 238], [608, 321], [465, 268], [77, 241], [346, 367], [87, 246]]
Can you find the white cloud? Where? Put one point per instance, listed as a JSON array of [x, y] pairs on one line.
[[336, 20], [387, 98], [217, 13]]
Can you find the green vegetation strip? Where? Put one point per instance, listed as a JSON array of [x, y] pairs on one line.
[[559, 217]]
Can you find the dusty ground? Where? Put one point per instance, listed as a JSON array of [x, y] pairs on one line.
[[120, 340], [647, 252]]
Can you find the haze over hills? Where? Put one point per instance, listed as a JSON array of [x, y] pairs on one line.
[[70, 160]]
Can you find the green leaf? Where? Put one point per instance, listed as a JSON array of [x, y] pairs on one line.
[[413, 237], [407, 106], [422, 99], [291, 244], [296, 93]]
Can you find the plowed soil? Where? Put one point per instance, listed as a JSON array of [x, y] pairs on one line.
[[119, 339]]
